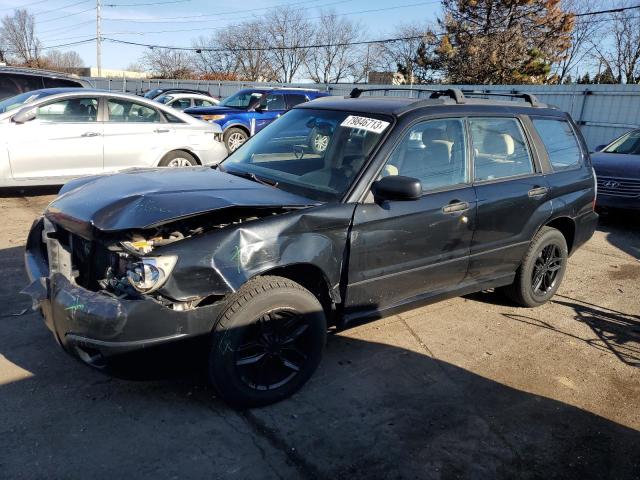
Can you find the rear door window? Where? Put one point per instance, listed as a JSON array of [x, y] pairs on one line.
[[131, 112], [560, 142], [499, 149], [294, 99], [199, 102]]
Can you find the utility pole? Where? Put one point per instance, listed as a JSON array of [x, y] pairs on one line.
[[98, 40]]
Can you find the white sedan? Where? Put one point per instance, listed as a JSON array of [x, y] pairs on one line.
[[180, 101], [53, 135]]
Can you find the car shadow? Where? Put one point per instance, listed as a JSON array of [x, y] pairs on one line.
[[9, 192], [622, 230], [373, 410]]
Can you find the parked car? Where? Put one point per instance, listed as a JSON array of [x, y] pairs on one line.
[[156, 92], [16, 80], [248, 111], [413, 201], [617, 167], [67, 132], [180, 101]]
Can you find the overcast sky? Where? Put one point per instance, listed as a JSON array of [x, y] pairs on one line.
[[64, 21]]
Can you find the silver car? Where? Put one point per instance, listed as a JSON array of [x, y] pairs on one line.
[[53, 135]]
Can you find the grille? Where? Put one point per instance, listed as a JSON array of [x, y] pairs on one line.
[[619, 187]]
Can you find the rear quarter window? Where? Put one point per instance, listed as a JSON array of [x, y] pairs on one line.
[[560, 142]]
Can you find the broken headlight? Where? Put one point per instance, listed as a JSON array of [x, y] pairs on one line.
[[149, 274]]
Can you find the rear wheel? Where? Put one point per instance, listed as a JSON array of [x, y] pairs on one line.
[[178, 159], [267, 343], [234, 137], [542, 269]]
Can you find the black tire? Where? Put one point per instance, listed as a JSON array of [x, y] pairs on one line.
[[178, 158], [269, 327], [234, 137], [532, 291]]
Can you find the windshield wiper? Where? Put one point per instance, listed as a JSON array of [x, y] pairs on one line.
[[254, 177]]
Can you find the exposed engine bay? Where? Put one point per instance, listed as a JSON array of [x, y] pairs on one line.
[[120, 264]]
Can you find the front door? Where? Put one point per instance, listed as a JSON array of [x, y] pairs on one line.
[[271, 106], [404, 250], [63, 141]]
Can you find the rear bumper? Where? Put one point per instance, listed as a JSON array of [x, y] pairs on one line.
[[86, 323], [212, 155]]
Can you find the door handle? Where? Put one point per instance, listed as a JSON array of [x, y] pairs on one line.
[[455, 206], [161, 130], [90, 134], [538, 192]]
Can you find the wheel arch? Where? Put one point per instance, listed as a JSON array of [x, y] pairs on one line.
[[312, 278], [185, 150], [566, 226], [241, 126]]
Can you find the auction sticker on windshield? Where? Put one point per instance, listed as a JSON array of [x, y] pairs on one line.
[[365, 123]]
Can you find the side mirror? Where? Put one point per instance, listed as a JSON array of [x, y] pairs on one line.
[[25, 115], [397, 187]]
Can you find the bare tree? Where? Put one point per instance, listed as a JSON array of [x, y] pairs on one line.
[[402, 55], [337, 58], [19, 38], [62, 61], [620, 53], [168, 63], [581, 48], [287, 31]]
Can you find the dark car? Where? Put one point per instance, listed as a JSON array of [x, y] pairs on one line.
[[248, 111], [412, 201], [617, 167], [17, 80], [156, 92]]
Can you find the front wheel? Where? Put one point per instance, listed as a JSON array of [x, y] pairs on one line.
[[267, 343], [178, 159], [542, 269], [234, 137]]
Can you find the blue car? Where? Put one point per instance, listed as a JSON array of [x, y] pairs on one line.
[[250, 110], [617, 166]]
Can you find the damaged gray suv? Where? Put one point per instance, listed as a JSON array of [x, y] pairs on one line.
[[411, 200]]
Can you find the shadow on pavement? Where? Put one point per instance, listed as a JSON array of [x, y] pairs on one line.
[[8, 192], [622, 229], [373, 410]]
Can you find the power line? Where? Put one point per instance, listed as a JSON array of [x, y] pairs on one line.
[[43, 12], [217, 14], [602, 12], [67, 27], [24, 6], [143, 4], [259, 49], [66, 16]]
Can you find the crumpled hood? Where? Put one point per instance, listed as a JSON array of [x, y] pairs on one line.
[[144, 198], [616, 165]]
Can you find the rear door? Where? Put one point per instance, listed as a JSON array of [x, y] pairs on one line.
[[402, 250], [63, 141], [513, 196], [135, 134]]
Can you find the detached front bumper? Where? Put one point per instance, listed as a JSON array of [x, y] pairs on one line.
[[94, 324]]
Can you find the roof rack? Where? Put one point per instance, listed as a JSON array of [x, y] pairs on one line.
[[456, 94], [527, 97]]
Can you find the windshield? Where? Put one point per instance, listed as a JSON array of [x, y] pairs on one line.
[[313, 153], [628, 144], [241, 99], [164, 99], [153, 93], [17, 101]]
